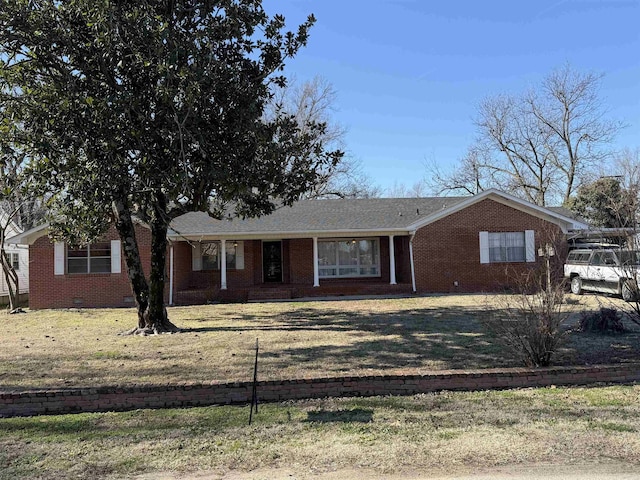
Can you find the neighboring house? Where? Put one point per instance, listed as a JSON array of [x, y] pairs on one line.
[[315, 247], [19, 258]]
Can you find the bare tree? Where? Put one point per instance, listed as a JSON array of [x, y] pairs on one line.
[[539, 145], [468, 177], [401, 190], [312, 102], [348, 180], [626, 169], [19, 208], [570, 107], [8, 270], [507, 128]]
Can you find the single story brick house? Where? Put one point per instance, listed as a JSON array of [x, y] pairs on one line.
[[314, 248]]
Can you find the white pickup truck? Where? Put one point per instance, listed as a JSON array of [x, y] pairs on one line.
[[607, 270]]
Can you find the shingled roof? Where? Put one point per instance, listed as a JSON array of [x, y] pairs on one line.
[[325, 218], [322, 216]]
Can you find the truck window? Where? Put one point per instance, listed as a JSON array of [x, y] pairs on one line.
[[578, 257], [603, 258]]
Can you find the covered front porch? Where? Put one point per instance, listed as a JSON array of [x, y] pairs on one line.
[[214, 269], [287, 292]]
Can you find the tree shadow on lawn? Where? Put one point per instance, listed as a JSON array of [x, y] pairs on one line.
[[306, 341], [593, 348], [439, 338], [430, 338], [354, 415]]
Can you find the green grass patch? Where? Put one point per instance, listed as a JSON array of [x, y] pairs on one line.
[[613, 427]]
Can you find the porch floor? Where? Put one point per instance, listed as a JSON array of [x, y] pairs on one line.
[[280, 291]]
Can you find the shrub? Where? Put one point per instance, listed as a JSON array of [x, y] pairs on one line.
[[606, 320], [529, 325]]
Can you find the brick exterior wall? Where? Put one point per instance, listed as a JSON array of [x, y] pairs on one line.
[[301, 261], [445, 252], [81, 290], [403, 263], [102, 399], [448, 250], [182, 278]]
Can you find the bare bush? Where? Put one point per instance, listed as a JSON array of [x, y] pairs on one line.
[[529, 321]]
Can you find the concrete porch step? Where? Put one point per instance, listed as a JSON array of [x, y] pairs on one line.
[[259, 294], [192, 297]]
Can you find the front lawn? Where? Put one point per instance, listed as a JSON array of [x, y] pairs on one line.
[[54, 348], [441, 433]]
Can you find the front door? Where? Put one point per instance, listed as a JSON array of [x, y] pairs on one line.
[[272, 261]]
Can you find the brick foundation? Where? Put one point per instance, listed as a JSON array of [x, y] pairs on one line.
[[100, 399]]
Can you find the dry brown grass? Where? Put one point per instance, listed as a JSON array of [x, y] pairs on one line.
[[52, 348], [446, 432]]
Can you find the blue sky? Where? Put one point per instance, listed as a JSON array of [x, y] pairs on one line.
[[409, 74]]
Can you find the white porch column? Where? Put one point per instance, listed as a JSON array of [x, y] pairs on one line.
[[413, 268], [223, 264], [316, 274], [392, 261]]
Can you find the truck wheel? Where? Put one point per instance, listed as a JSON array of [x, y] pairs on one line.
[[629, 291], [576, 285]]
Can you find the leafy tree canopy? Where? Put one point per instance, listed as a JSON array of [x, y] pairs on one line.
[[154, 108], [605, 203]]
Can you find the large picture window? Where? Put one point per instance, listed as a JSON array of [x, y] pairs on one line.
[[507, 247], [211, 254], [92, 258], [349, 258]]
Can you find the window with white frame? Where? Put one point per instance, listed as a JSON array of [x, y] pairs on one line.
[[505, 247], [212, 252], [349, 258], [14, 260], [92, 258]]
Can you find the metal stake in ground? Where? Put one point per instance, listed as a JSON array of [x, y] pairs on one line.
[[254, 392]]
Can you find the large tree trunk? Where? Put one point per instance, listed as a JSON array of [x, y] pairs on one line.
[[156, 317], [126, 229], [149, 297]]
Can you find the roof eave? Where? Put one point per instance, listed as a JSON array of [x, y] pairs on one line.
[[565, 223], [262, 235], [30, 236]]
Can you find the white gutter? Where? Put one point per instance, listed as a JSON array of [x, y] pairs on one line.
[[413, 268]]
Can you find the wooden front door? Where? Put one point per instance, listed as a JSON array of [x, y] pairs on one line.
[[272, 261]]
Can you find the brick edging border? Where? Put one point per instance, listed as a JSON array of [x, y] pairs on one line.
[[120, 398]]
